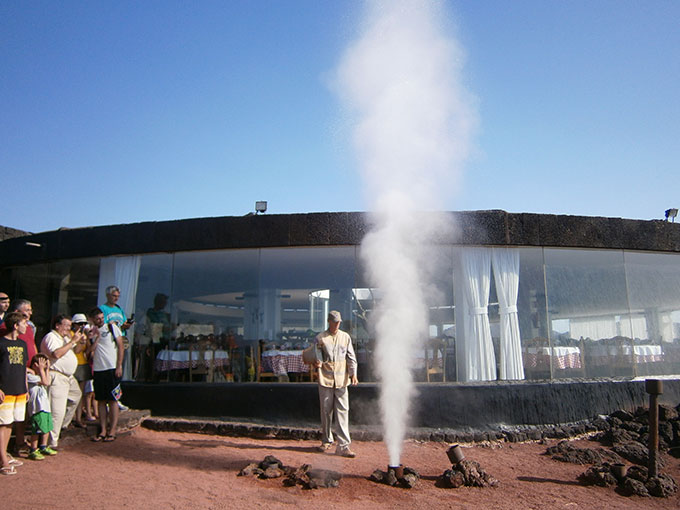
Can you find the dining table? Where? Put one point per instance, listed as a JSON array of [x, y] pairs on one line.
[[282, 362], [564, 357], [177, 360], [601, 354]]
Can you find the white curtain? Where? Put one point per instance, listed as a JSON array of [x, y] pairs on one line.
[[480, 360], [634, 327], [123, 272], [506, 274], [594, 328]]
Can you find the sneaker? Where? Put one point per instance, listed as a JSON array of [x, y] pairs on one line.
[[122, 406], [324, 447], [48, 451], [36, 455], [345, 452]]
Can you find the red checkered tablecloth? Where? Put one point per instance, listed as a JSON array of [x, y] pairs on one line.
[[564, 357], [283, 362]]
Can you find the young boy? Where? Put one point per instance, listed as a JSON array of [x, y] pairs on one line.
[[12, 386], [39, 407]]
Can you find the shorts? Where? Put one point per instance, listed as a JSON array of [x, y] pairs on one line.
[[89, 387], [41, 423], [83, 373], [13, 408], [104, 383]]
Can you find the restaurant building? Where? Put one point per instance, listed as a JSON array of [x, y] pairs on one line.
[[561, 298]]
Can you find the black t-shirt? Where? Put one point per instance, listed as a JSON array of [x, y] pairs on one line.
[[13, 356]]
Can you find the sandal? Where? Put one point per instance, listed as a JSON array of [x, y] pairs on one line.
[[98, 439], [8, 470], [13, 461], [109, 439]]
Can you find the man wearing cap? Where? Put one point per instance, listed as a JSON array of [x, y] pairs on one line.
[[336, 367]]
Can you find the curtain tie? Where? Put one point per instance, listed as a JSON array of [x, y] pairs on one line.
[[479, 310], [505, 310]]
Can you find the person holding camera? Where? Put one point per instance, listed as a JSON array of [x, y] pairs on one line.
[[58, 345], [83, 373]]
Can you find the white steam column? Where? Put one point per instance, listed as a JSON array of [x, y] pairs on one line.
[[411, 122]]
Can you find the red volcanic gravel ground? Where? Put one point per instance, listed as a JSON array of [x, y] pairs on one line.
[[168, 470]]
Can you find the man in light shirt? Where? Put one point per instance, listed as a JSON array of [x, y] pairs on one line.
[[64, 389], [336, 369]]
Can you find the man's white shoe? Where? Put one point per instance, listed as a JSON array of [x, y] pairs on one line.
[[345, 452]]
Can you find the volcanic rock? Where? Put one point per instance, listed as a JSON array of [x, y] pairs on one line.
[[667, 413], [408, 481], [252, 469], [662, 486], [635, 452], [635, 487], [310, 478], [600, 474], [564, 451], [466, 473]]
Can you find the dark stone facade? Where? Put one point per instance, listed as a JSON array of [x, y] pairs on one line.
[[327, 229], [451, 409]]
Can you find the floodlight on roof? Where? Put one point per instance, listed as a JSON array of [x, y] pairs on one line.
[[260, 206], [671, 214]]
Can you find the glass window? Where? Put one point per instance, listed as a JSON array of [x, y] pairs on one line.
[[298, 286], [532, 314], [153, 299], [654, 321], [32, 283], [73, 285], [587, 299], [212, 293]]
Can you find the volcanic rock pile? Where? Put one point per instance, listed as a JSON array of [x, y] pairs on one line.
[[627, 436], [391, 478], [634, 482], [466, 473], [305, 476]]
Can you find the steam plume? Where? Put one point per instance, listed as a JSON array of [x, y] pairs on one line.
[[401, 81]]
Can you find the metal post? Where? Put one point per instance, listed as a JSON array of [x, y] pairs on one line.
[[655, 388]]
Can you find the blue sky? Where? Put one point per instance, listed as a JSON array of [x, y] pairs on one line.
[[118, 112]]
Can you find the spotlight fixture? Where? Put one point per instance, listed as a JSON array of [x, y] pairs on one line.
[[261, 206], [671, 214], [34, 245]]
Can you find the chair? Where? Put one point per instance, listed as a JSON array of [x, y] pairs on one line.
[[204, 367], [621, 359], [260, 374], [435, 359], [537, 364]]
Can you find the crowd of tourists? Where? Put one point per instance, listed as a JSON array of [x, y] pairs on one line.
[[69, 378]]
